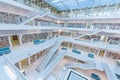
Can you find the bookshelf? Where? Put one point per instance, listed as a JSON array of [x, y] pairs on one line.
[[47, 23], [11, 18], [78, 34], [113, 55], [99, 25], [85, 48], [66, 34], [31, 37], [109, 54], [55, 34], [71, 59], [112, 26], [114, 40], [65, 44], [76, 25], [91, 37], [4, 42]]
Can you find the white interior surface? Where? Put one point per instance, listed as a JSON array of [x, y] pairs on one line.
[[74, 75], [5, 72], [61, 72], [21, 52], [32, 74]]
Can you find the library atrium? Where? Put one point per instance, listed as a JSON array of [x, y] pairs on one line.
[[60, 40]]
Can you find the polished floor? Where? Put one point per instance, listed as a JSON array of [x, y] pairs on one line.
[[32, 74], [62, 73]]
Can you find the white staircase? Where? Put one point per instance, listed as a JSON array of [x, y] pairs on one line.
[[99, 66], [88, 65], [109, 72], [80, 65], [33, 16], [50, 66], [50, 54], [94, 32]]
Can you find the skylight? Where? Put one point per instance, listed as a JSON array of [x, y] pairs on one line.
[[63, 5], [54, 1]]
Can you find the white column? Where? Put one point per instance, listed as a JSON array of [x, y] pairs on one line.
[[29, 62], [106, 39], [105, 54], [47, 37], [64, 24], [68, 45], [20, 66], [71, 34], [98, 52], [91, 27], [74, 34], [50, 33], [59, 31], [20, 39], [107, 27], [33, 22], [10, 41], [86, 25], [72, 46], [35, 57]]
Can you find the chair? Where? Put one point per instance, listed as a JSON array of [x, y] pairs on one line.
[[64, 48], [38, 41], [95, 76], [91, 55], [76, 51], [4, 50]]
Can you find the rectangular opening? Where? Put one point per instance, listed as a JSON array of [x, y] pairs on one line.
[[73, 75]]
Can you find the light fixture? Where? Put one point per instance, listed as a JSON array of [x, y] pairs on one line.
[[54, 1], [58, 21], [59, 30]]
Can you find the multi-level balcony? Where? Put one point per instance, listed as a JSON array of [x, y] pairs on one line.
[[90, 36]]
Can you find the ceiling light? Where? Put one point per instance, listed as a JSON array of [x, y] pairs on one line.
[[54, 1]]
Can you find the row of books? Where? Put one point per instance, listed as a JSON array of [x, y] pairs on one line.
[[93, 50], [81, 47], [48, 23], [11, 18], [71, 59], [35, 57], [113, 55], [4, 42], [85, 48], [65, 34], [31, 37], [76, 25], [114, 26]]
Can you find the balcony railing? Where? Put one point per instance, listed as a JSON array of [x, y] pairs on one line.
[[17, 72]]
